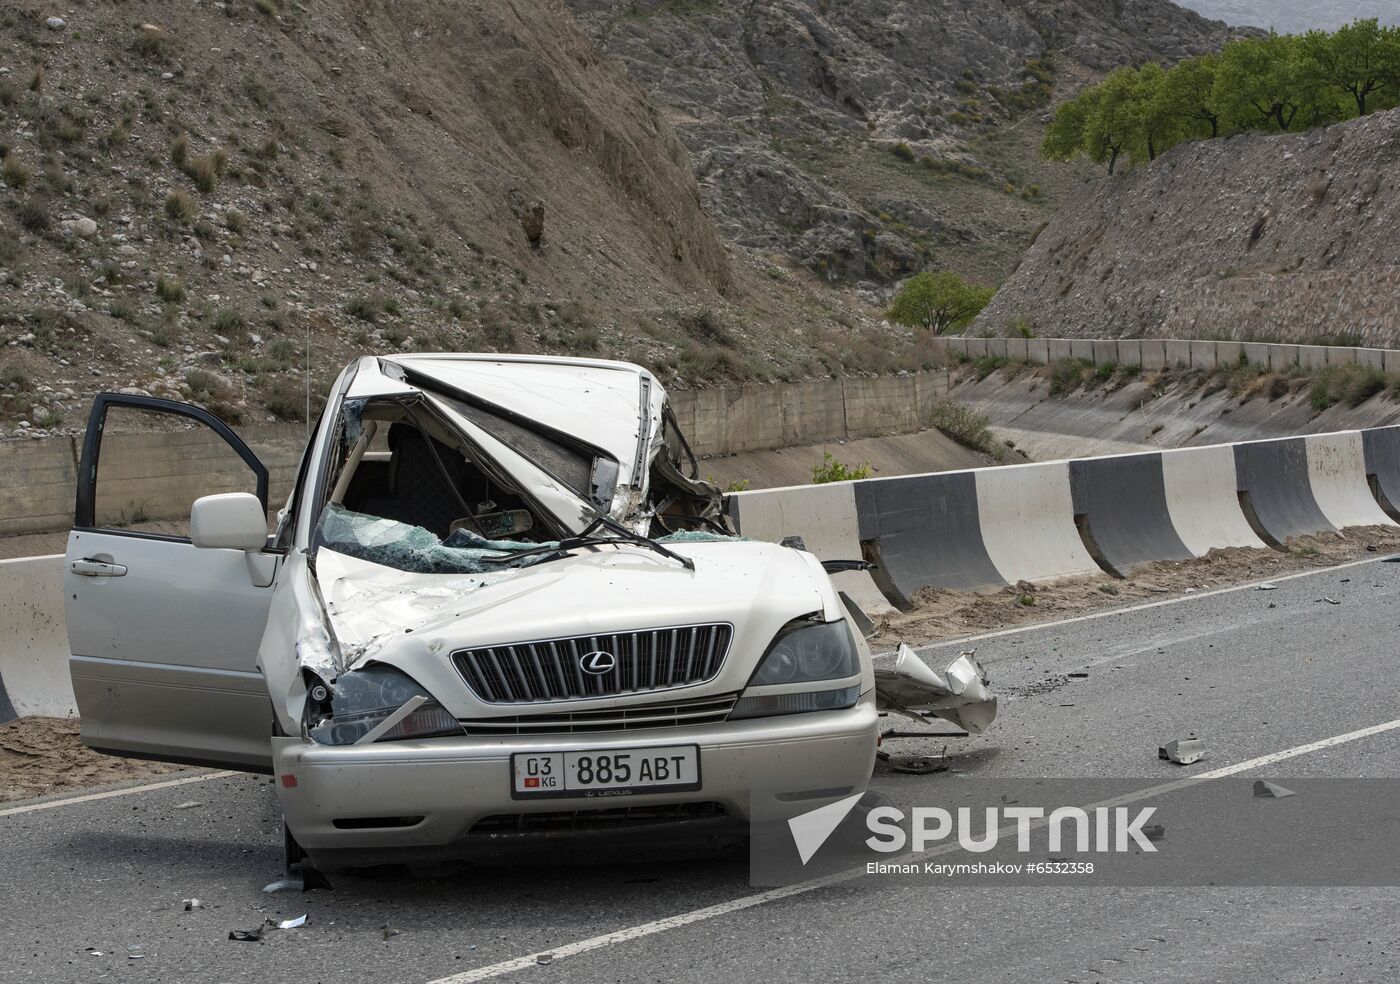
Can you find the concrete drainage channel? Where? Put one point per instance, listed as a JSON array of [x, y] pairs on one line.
[[974, 529], [990, 527]]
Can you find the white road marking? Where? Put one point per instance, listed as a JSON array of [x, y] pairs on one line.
[[111, 793], [801, 888], [1145, 606]]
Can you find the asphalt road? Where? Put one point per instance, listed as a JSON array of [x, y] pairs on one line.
[[1254, 672]]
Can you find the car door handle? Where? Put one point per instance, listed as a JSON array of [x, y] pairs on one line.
[[98, 568]]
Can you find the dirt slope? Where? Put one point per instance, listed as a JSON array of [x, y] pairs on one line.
[[868, 139], [1257, 237], [194, 190]]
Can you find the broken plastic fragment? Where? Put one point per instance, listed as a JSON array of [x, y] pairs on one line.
[[919, 765], [1183, 751], [250, 935], [285, 885], [188, 805], [544, 958], [192, 904], [292, 923], [1154, 831], [905, 683], [1267, 587], [1267, 790]]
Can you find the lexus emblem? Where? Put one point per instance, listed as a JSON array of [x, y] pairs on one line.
[[597, 662]]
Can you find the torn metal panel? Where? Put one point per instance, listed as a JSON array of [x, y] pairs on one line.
[[959, 694]]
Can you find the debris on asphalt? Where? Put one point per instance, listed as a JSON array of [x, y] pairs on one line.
[[285, 885], [1264, 789], [296, 923], [959, 694], [1079, 675], [192, 904], [545, 958], [1183, 751], [250, 935], [1154, 831], [1330, 601], [920, 765], [135, 952], [188, 805], [1267, 587], [390, 933]]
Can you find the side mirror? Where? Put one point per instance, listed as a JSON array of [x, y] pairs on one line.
[[231, 520]]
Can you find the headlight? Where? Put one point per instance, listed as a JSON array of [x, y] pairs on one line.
[[802, 655], [361, 700]]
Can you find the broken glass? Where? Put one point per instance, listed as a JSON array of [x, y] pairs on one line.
[[416, 550]]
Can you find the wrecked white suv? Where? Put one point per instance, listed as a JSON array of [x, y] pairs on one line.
[[498, 601]]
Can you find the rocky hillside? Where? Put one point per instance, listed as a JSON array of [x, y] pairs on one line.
[[1262, 237], [869, 139], [191, 195], [1296, 16]]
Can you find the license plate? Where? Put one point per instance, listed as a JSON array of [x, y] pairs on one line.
[[616, 772]]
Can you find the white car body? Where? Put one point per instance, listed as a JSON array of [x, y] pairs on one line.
[[203, 648]]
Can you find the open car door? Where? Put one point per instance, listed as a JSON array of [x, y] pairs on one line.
[[163, 634]]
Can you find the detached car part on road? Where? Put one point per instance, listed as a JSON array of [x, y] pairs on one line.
[[498, 601]]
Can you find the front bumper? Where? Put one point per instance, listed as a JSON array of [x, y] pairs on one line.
[[755, 770]]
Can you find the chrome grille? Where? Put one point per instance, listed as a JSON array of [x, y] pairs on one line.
[[551, 669], [704, 710]]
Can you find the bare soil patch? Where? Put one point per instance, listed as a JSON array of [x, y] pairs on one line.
[[44, 755]]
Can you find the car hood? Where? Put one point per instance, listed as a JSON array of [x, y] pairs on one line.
[[416, 621]]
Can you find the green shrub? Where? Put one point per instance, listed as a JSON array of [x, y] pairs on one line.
[[180, 207], [903, 151], [15, 174], [967, 427], [169, 289], [831, 470]]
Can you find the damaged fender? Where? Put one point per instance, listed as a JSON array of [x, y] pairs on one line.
[[904, 683]]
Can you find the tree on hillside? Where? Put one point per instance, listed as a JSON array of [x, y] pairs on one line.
[[1064, 138], [1112, 126], [940, 302], [1157, 126], [1188, 92], [1264, 82], [1361, 59]]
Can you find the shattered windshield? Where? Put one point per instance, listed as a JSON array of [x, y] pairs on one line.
[[417, 550]]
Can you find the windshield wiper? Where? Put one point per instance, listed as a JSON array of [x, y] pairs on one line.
[[608, 523], [588, 538]]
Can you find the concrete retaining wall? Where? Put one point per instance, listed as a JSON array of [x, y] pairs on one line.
[[1160, 353], [164, 472]]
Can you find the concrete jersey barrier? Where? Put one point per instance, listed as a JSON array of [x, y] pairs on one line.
[[1382, 450], [825, 517], [1338, 479], [34, 645], [964, 530], [1026, 517], [1203, 499], [1121, 502], [1274, 480], [923, 531]]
